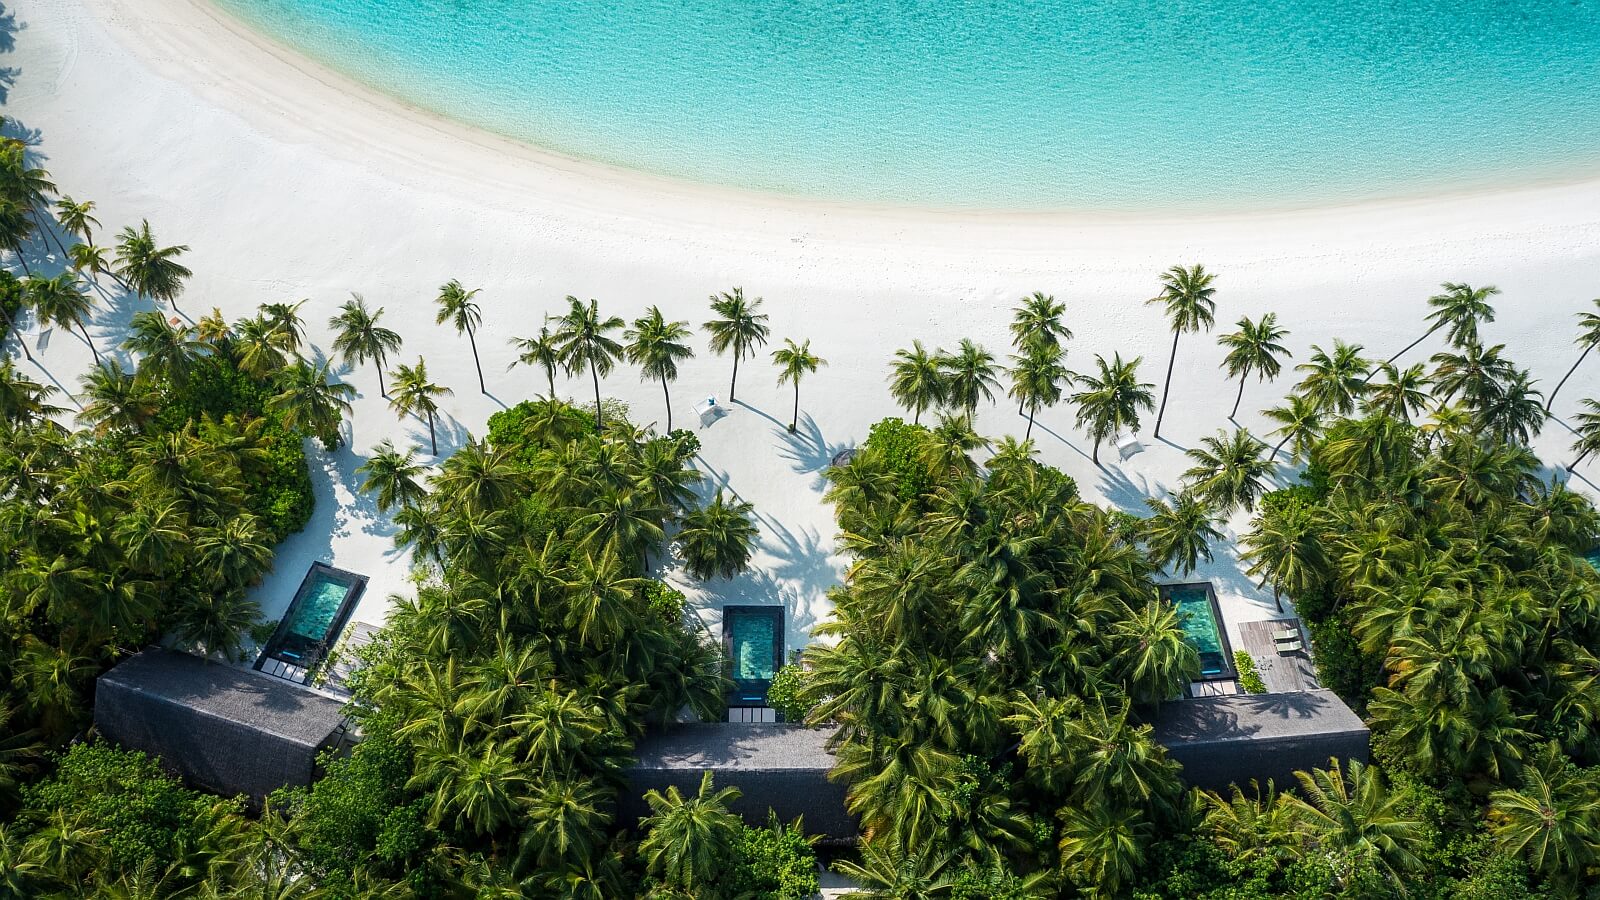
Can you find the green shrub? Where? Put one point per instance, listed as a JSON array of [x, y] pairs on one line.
[[1342, 667], [146, 817], [358, 812], [1249, 675], [773, 863], [665, 601], [784, 693], [900, 449]]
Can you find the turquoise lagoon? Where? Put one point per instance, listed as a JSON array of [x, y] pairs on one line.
[[1049, 104]]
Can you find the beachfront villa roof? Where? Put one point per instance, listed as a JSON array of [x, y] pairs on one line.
[[221, 728], [783, 768], [1236, 738]]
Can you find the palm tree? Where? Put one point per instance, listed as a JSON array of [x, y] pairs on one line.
[[91, 259], [1038, 322], [309, 400], [1286, 551], [13, 295], [260, 346], [566, 824], [656, 347], [415, 395], [583, 342], [166, 349], [214, 622], [1180, 534], [1301, 421], [1102, 848], [1229, 470], [1186, 294], [284, 319], [393, 476], [1036, 379], [1110, 401], [969, 376], [1401, 395], [794, 361], [77, 218], [1254, 348], [58, 301], [1514, 415], [886, 871], [358, 337], [116, 399], [1334, 382], [687, 841], [1351, 811], [542, 351], [152, 271], [915, 380], [1588, 336], [22, 400], [1476, 374], [1461, 307], [739, 328], [1550, 821], [717, 538], [1588, 432], [457, 307], [1154, 655]]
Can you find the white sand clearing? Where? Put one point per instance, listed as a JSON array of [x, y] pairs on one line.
[[290, 182]]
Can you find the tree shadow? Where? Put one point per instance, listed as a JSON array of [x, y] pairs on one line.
[[1040, 426], [1122, 492]]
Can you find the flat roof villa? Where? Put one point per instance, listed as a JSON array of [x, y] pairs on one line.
[[219, 727]]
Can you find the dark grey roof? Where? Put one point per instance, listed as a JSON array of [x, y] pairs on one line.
[[782, 768], [1233, 739], [221, 728]]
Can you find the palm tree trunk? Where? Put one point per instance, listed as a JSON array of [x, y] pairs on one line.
[[1167, 388], [734, 383], [1028, 435], [11, 325], [1094, 453], [475, 362], [668, 397], [382, 390], [916, 418], [1574, 463], [1236, 400], [85, 329], [1280, 445], [795, 422], [550, 376], [1552, 398], [599, 417], [1403, 351], [433, 439]]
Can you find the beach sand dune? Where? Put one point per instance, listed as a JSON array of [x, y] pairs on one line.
[[289, 182]]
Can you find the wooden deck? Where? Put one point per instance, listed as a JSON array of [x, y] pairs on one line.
[[1291, 672]]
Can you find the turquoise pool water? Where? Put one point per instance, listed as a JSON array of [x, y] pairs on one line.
[[1049, 104], [752, 648], [1201, 628], [318, 609]]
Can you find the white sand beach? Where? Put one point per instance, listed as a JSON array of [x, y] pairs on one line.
[[289, 182]]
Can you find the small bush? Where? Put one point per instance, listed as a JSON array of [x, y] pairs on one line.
[[665, 601], [1249, 675], [773, 863], [900, 449], [784, 693]]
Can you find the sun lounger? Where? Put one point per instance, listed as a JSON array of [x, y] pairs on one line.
[[708, 411], [1287, 634], [1287, 647], [1129, 446]]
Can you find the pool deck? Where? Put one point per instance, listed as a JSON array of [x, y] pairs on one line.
[[1282, 673]]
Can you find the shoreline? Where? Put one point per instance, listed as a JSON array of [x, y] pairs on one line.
[[256, 63], [288, 187]]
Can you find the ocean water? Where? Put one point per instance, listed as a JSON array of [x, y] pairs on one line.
[[1023, 104]]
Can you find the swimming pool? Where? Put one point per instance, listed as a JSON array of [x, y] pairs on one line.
[[312, 624], [1202, 627], [1593, 558], [752, 641]]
